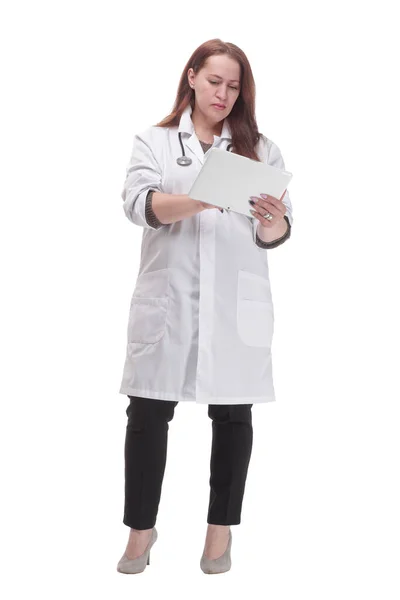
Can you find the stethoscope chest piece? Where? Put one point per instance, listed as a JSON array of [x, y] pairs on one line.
[[184, 161]]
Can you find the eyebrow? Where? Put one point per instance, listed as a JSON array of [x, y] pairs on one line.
[[219, 77]]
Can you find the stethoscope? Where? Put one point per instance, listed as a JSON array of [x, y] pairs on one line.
[[184, 160]]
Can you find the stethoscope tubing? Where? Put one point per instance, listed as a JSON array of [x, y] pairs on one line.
[[185, 161]]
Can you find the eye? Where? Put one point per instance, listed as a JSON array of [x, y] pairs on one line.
[[231, 86]]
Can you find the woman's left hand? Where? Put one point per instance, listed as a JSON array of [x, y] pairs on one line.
[[268, 204]]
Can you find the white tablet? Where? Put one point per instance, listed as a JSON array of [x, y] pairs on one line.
[[228, 180]]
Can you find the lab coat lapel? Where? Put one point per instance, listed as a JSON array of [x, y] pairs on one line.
[[194, 146]]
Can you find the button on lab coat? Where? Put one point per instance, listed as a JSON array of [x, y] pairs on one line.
[[201, 317]]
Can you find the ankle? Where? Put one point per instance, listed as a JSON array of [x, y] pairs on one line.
[[140, 531]]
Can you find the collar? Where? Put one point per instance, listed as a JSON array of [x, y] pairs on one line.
[[186, 125]]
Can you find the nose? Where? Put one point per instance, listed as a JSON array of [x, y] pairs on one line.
[[222, 95]]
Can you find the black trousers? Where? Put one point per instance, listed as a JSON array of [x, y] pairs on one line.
[[146, 452]]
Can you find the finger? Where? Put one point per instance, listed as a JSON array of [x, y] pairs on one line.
[[262, 206], [278, 209], [280, 199], [278, 204], [264, 222], [272, 198]]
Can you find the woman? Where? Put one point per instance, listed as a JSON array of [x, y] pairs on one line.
[[201, 318]]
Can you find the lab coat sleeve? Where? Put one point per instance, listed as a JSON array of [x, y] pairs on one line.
[[275, 159], [142, 174]]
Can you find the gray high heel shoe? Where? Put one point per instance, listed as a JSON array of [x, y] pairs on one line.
[[137, 565], [218, 565]]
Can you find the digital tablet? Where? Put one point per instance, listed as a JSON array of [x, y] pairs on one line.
[[228, 180]]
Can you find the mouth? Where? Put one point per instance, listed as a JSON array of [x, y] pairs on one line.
[[221, 106]]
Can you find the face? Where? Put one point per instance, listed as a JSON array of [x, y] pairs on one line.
[[218, 82]]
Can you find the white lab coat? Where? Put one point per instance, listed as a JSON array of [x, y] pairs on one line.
[[201, 317]]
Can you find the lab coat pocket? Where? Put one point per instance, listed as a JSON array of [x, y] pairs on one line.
[[149, 307], [255, 312]]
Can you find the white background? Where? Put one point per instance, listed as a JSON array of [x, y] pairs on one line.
[[320, 516]]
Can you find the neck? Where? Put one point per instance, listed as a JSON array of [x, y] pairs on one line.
[[205, 130]]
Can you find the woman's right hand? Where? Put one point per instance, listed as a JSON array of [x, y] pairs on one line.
[[205, 205]]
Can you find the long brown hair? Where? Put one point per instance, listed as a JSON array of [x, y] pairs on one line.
[[242, 121]]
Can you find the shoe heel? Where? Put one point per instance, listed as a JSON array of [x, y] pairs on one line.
[[148, 559]]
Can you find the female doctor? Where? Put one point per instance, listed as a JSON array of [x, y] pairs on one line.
[[201, 316]]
